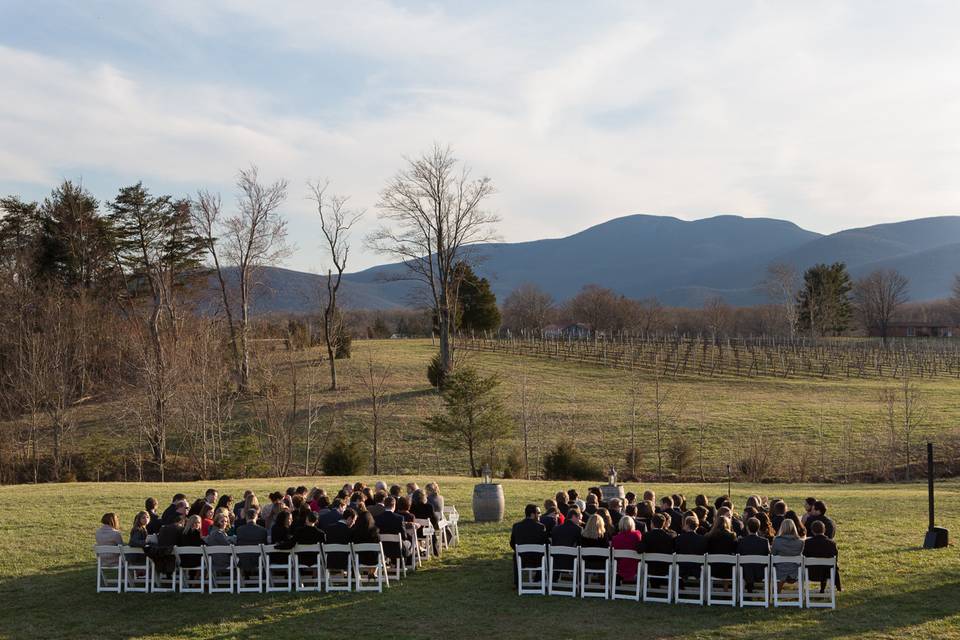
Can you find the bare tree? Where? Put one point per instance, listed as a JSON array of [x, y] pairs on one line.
[[601, 308], [254, 237], [913, 417], [433, 214], [335, 223], [877, 296], [647, 315], [374, 377], [530, 410], [718, 316], [781, 284], [527, 308]]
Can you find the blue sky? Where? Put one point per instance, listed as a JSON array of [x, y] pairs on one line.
[[830, 114]]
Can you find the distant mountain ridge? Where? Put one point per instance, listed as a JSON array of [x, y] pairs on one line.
[[680, 262]]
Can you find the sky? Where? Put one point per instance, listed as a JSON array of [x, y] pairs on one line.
[[829, 114]]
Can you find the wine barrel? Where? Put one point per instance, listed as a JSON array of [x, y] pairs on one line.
[[488, 502]]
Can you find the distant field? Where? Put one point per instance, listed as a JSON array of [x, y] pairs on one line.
[[813, 428], [892, 588]]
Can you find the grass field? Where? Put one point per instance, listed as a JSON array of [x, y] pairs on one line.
[[833, 428], [892, 587]]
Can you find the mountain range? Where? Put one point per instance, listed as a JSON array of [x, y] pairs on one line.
[[681, 262]]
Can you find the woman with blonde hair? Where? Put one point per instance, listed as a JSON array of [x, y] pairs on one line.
[[435, 499], [594, 535], [109, 534], [787, 543]]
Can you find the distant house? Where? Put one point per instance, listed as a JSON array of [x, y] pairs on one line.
[[575, 330], [918, 330]]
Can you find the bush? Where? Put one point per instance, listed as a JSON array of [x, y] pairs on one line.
[[680, 453], [343, 458], [565, 463], [435, 372], [756, 463], [513, 466], [344, 344]]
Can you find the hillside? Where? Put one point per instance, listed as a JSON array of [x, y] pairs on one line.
[[681, 262]]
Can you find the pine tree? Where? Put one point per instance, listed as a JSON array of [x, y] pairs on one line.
[[476, 304], [823, 305]]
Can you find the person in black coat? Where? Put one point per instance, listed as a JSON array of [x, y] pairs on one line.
[[190, 537], [722, 540], [308, 534], [613, 508], [340, 533], [658, 540], [674, 516], [365, 532], [150, 506], [818, 513], [819, 545], [753, 544], [689, 542], [567, 535], [177, 506], [550, 517], [392, 523], [528, 531], [423, 510], [331, 515]]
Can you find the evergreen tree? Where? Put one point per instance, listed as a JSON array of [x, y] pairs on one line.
[[823, 306], [476, 304], [473, 413]]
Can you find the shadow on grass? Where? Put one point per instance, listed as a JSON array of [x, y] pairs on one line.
[[459, 596]]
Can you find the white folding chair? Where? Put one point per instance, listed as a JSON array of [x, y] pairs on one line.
[[531, 580], [394, 554], [308, 576], [109, 568], [726, 596], [682, 593], [441, 533], [251, 579], [627, 590], [161, 582], [588, 586], [664, 577], [814, 598], [193, 578], [429, 534], [563, 582], [370, 577], [279, 573], [453, 518], [416, 553], [136, 570], [792, 599], [338, 579], [216, 572], [755, 598]]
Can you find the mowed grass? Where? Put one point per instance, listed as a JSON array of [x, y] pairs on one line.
[[836, 421], [892, 587]]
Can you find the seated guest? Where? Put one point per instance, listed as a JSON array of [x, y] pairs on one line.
[[240, 507], [300, 515], [313, 497], [376, 508], [403, 509], [365, 531], [630, 539], [651, 497], [608, 529], [722, 539], [422, 510], [340, 532], [190, 537], [819, 545], [630, 497], [689, 542], [807, 508], [551, 516], [272, 508], [659, 540], [139, 532], [109, 534], [250, 533], [787, 543], [195, 507], [150, 505], [795, 519], [593, 503], [218, 538], [389, 522], [568, 534], [331, 515], [411, 487], [818, 513], [631, 510], [367, 494], [308, 534], [563, 505], [177, 506], [210, 496], [679, 502], [702, 515], [396, 491], [434, 498], [613, 507], [167, 538], [169, 535], [778, 510], [675, 517], [574, 497], [206, 519], [281, 531], [766, 529], [645, 513], [753, 544], [225, 502], [595, 535], [703, 501], [528, 531]]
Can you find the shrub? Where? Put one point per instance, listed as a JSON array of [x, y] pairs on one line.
[[343, 458], [513, 467], [435, 373], [344, 344], [680, 453], [755, 464], [564, 462]]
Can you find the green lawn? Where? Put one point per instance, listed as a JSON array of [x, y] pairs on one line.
[[893, 588]]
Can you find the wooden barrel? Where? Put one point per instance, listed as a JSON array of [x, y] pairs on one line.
[[488, 502]]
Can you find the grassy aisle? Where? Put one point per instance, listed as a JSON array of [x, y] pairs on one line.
[[893, 588]]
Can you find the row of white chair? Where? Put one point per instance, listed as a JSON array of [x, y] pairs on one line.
[[591, 573], [202, 569]]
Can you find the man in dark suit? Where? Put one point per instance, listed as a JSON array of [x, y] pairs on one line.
[[613, 507], [689, 542], [250, 534], [818, 545], [308, 533], [818, 513], [753, 544], [674, 516], [389, 522], [331, 515], [659, 540], [528, 531], [177, 505], [150, 506], [340, 532], [567, 535], [167, 538]]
